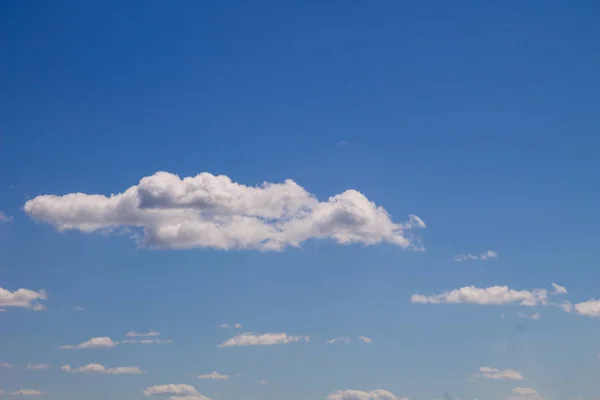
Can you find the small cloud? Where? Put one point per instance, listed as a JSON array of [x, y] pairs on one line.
[[566, 306], [264, 382], [171, 389], [223, 326], [25, 392], [238, 326], [93, 343], [365, 339], [377, 394], [342, 143], [227, 326], [343, 339], [499, 374], [145, 334], [494, 295], [215, 376], [37, 366], [250, 339], [5, 365], [4, 218], [101, 369], [22, 298], [534, 316], [78, 308], [486, 255], [147, 341], [558, 289]]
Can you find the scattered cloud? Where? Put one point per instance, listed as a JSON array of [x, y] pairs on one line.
[[23, 298], [171, 389], [227, 326], [341, 143], [264, 382], [238, 326], [365, 339], [377, 394], [213, 211], [215, 376], [250, 339], [342, 339], [534, 316], [566, 306], [495, 295], [78, 308], [25, 392], [145, 334], [557, 289], [101, 369], [590, 308], [93, 343], [4, 217], [499, 374], [5, 365], [486, 255], [147, 341], [37, 366], [525, 394], [195, 397]]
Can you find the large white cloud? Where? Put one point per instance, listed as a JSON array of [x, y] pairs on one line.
[[171, 389], [499, 374], [251, 339], [213, 211], [377, 394], [23, 298], [494, 295], [93, 343], [101, 369]]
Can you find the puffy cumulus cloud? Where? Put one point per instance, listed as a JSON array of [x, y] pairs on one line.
[[26, 392], [37, 366], [101, 369], [250, 339], [143, 334], [365, 339], [93, 343], [215, 376], [171, 389], [557, 289], [522, 393], [590, 308], [377, 394], [486, 255], [499, 374], [342, 339], [23, 298], [494, 295], [213, 211]]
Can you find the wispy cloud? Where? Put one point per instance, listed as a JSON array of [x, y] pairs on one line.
[[494, 295], [4, 217], [37, 366], [499, 374], [143, 334], [171, 389], [342, 339], [93, 343], [557, 289], [5, 365], [365, 339], [78, 308], [525, 394], [147, 341], [377, 394], [26, 392], [250, 339], [486, 255], [533, 316], [215, 376], [227, 326], [101, 369]]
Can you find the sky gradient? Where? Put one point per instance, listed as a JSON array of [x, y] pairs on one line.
[[299, 200]]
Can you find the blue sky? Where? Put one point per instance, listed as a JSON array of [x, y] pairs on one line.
[[480, 118]]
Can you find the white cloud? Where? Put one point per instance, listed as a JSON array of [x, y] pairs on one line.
[[147, 341], [78, 308], [4, 217], [212, 211], [365, 339], [495, 295], [264, 382], [343, 339], [223, 326], [37, 366], [590, 308], [498, 374], [250, 339], [93, 343], [5, 365], [558, 289], [26, 392], [214, 376], [23, 298], [525, 394], [226, 326], [101, 369], [145, 334], [486, 255], [238, 326], [377, 394], [566, 306], [196, 397], [171, 389], [534, 316]]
